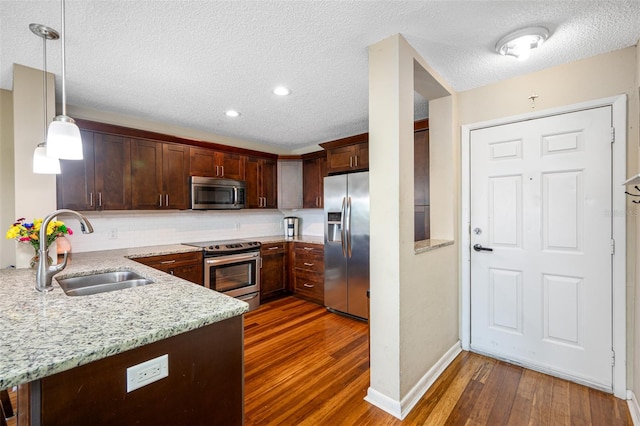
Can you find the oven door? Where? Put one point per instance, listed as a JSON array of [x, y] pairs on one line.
[[234, 275]]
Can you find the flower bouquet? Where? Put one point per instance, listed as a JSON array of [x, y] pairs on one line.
[[29, 233]]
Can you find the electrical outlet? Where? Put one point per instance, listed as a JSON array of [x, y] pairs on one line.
[[147, 372], [113, 233], [237, 226]]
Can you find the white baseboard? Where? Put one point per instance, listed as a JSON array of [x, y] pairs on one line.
[[634, 408], [400, 409]]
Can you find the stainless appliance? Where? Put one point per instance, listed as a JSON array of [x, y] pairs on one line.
[[217, 194], [291, 226], [233, 267], [346, 243]]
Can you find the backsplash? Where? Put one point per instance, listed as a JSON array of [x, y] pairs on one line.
[[123, 229]]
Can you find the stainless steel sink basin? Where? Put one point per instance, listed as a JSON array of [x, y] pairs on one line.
[[101, 282]]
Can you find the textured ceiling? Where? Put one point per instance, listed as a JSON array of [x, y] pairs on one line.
[[185, 62]]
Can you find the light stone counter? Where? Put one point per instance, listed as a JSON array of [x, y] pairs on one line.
[[45, 333], [309, 239]]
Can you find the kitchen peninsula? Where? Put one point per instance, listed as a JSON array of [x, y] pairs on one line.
[[74, 351]]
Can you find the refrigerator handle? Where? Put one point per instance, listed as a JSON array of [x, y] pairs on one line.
[[342, 230], [349, 227]]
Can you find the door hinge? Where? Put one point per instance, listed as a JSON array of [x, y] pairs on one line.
[[613, 134], [613, 358], [613, 246]]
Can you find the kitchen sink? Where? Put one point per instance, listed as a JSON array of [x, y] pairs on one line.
[[101, 282]]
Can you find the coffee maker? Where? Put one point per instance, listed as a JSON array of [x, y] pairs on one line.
[[291, 226]]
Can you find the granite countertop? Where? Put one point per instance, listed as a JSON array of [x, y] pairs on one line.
[[45, 333], [309, 239]]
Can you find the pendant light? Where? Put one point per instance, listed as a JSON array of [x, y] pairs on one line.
[[63, 138], [42, 164]]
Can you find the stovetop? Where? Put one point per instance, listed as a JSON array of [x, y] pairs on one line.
[[226, 246]]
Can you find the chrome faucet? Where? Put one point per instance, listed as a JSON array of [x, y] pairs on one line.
[[45, 272]]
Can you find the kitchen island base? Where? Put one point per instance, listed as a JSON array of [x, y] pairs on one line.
[[205, 384]]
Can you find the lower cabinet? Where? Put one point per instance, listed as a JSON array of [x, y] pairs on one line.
[[273, 275], [188, 266], [308, 271]]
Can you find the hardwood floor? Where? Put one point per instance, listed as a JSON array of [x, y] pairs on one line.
[[306, 366]]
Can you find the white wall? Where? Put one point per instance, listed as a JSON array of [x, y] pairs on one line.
[[414, 297], [598, 77], [635, 325]]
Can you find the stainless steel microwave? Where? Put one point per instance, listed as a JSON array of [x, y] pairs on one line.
[[217, 194]]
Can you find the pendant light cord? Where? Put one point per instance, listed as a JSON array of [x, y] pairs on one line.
[[44, 85], [64, 92]]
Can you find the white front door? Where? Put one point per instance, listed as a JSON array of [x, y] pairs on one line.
[[541, 200]]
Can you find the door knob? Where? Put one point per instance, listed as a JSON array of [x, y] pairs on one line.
[[478, 247]]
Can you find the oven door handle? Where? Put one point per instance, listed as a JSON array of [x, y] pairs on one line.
[[232, 258]]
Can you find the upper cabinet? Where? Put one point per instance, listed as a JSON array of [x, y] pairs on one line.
[[347, 155], [102, 180], [159, 175], [211, 163], [261, 178], [314, 170]]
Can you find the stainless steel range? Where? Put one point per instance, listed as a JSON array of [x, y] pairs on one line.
[[233, 267]]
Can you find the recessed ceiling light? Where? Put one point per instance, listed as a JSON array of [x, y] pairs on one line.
[[520, 43], [281, 91], [231, 113]]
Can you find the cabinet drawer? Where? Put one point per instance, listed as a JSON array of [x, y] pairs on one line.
[[169, 260], [272, 248], [309, 263], [309, 284], [309, 250]]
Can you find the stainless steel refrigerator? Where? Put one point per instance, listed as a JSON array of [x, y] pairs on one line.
[[346, 243]]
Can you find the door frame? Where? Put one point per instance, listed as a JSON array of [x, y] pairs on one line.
[[618, 173]]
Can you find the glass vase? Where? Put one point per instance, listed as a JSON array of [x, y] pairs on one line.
[[33, 263]]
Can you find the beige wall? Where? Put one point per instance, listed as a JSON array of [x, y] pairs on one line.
[[635, 355], [7, 249], [598, 77], [34, 194], [414, 297]]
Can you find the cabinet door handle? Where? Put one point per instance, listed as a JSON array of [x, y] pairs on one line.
[[166, 200], [99, 199], [356, 161], [217, 171], [91, 199], [168, 262], [221, 171], [160, 204], [308, 264], [309, 285], [350, 161]]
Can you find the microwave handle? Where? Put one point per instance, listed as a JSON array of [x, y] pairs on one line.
[[235, 195]]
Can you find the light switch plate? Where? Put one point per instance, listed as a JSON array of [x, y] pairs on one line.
[[147, 372]]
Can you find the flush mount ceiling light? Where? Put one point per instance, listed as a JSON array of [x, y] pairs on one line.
[[231, 113], [281, 91], [63, 138], [41, 163], [520, 43]]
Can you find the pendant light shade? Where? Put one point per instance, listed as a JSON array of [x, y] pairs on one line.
[[42, 163], [63, 139]]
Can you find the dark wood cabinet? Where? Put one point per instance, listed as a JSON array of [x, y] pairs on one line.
[[314, 171], [422, 219], [308, 271], [349, 158], [262, 183], [188, 266], [273, 275], [159, 175], [212, 163], [102, 180]]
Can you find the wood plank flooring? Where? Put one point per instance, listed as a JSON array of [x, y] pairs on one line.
[[306, 366]]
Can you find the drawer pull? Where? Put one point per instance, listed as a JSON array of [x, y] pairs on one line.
[[309, 285], [308, 248], [167, 262], [274, 248], [308, 264]]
